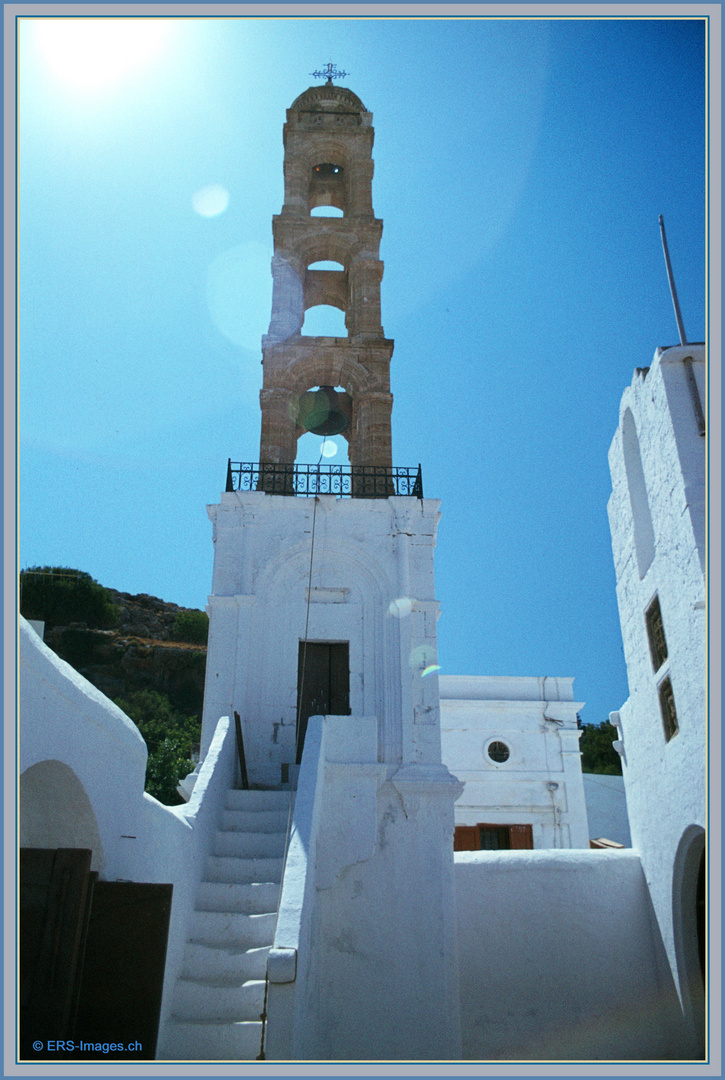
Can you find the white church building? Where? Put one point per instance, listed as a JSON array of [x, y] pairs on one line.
[[376, 862]]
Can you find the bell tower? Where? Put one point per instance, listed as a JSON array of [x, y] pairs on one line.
[[328, 141], [322, 638]]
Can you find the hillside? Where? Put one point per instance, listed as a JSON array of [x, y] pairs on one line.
[[137, 654]]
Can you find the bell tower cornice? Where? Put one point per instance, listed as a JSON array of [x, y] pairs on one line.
[[331, 101]]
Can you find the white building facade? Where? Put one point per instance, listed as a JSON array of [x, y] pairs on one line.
[[514, 743], [657, 520]]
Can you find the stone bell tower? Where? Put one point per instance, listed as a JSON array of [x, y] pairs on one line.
[[323, 609], [328, 141]]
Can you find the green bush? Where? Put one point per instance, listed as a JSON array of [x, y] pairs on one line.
[[169, 737], [192, 627], [58, 595], [598, 755]]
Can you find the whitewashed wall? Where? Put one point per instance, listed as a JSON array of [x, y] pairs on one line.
[[82, 766], [368, 554], [560, 957], [541, 782], [82, 762], [657, 521], [607, 808], [364, 964]]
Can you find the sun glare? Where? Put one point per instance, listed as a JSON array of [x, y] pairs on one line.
[[90, 53]]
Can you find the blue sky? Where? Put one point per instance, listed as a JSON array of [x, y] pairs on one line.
[[520, 168]]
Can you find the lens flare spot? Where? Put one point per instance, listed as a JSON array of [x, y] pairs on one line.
[[422, 657], [211, 200], [429, 670], [239, 293], [328, 448], [401, 607]]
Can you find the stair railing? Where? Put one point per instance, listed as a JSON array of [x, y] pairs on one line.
[[240, 751]]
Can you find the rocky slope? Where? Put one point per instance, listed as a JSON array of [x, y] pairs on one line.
[[139, 654]]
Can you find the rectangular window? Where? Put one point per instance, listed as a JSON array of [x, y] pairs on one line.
[[656, 634], [493, 838], [667, 708], [487, 837]]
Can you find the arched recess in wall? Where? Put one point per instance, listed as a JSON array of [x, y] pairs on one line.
[[689, 925], [321, 369], [644, 537], [362, 575], [55, 811]]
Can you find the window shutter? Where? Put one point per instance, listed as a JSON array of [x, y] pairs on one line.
[[465, 838], [522, 837]]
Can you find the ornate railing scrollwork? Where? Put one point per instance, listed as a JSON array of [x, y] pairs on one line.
[[345, 481]]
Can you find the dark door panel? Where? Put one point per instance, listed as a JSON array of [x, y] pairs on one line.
[[323, 683], [123, 972]]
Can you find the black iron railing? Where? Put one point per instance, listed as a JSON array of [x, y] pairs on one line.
[[349, 481]]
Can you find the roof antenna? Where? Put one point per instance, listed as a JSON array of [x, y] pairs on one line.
[[671, 279]]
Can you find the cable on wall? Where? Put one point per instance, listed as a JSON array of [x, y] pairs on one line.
[[261, 1056]]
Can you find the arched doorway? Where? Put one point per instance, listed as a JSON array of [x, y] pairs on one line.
[[55, 811], [689, 920]]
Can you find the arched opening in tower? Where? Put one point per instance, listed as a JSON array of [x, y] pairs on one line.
[[326, 211], [331, 449], [324, 320], [326, 264], [327, 191], [314, 447]]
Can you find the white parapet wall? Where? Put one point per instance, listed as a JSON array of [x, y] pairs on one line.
[[82, 765], [82, 761], [364, 960], [539, 783], [560, 958]]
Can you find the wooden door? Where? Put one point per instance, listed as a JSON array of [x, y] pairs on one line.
[[54, 900], [323, 683], [123, 970], [92, 960]]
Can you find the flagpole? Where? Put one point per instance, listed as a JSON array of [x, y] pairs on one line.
[[671, 279]]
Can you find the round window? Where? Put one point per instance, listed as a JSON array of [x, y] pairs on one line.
[[498, 752]]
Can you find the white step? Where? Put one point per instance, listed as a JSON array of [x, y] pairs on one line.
[[204, 1041], [258, 800], [218, 998], [232, 928], [255, 898], [224, 962], [249, 845], [196, 999], [243, 871], [260, 821]]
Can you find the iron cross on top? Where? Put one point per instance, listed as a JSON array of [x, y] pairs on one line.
[[330, 72]]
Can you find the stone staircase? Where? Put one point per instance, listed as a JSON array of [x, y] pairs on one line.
[[219, 996]]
